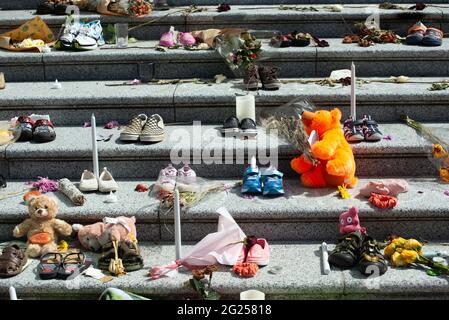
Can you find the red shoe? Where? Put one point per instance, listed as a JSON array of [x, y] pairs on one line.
[[256, 251]]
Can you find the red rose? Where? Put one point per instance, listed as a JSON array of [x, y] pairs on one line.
[[253, 56]]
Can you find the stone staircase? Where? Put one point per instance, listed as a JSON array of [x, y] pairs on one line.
[[295, 224]]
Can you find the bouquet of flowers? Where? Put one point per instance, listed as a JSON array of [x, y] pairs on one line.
[[239, 50], [404, 253], [135, 8]]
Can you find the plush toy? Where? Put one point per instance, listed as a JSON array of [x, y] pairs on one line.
[[94, 236], [349, 222], [336, 165], [42, 227]]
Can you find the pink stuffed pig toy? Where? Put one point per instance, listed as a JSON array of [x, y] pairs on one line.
[[94, 236], [349, 222]]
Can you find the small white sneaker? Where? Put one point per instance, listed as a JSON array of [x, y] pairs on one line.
[[106, 183], [88, 181]]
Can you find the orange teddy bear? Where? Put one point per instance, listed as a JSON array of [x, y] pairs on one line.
[[336, 165]]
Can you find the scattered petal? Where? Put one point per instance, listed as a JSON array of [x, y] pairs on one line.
[[388, 137], [86, 124], [223, 7], [112, 124], [446, 192], [44, 184]]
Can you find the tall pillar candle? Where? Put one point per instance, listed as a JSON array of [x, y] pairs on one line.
[[245, 107], [177, 213], [353, 99], [93, 125]]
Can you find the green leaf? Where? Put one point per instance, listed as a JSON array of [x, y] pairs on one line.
[[433, 273], [212, 295]]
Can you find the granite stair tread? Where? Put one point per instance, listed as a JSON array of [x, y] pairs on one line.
[[75, 142], [300, 278]]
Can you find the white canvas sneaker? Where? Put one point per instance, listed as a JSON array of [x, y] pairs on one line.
[[88, 181], [106, 183]]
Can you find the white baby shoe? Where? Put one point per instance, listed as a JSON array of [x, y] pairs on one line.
[[106, 183], [88, 181]]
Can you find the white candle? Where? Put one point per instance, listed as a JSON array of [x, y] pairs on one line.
[[252, 295], [177, 212], [245, 107], [93, 124], [325, 258], [12, 293], [353, 101]]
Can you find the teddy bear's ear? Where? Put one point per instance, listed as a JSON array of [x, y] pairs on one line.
[[336, 115]]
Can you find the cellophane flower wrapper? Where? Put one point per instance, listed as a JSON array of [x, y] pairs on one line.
[[222, 247], [285, 121], [192, 190]]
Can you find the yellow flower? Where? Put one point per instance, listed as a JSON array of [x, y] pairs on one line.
[[409, 256], [399, 242], [439, 152], [397, 260], [413, 244], [343, 192], [444, 174], [389, 250]]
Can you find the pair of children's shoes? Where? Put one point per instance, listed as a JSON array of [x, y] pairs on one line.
[[105, 183], [36, 128], [184, 178], [173, 38], [268, 184], [232, 127], [365, 129], [419, 34]]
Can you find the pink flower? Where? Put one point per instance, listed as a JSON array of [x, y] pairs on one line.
[[112, 124], [86, 124]]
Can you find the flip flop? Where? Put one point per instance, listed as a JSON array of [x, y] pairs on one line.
[[49, 265], [73, 265], [12, 261]]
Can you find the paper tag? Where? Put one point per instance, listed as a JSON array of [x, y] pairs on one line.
[[313, 138], [97, 274]]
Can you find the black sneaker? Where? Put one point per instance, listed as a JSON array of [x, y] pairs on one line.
[[371, 129], [26, 125], [346, 252], [371, 261], [230, 126], [352, 130], [44, 131], [248, 127]]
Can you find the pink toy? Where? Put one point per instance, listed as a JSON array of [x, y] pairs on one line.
[[390, 187], [349, 222], [94, 236], [186, 39]]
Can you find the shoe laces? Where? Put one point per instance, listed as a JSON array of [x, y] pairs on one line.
[[270, 73]]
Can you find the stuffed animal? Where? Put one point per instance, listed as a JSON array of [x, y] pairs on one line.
[[349, 222], [336, 165], [42, 227], [92, 237]]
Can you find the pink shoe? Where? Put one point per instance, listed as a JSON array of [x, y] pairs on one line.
[[186, 39], [168, 39], [167, 178], [258, 253], [187, 179]]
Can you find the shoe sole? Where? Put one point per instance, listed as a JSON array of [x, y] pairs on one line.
[[248, 133], [277, 87], [152, 138], [87, 189], [230, 131], [129, 137], [107, 190]]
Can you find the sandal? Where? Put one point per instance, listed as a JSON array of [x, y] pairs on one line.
[[372, 261], [108, 253], [370, 129], [353, 130], [433, 37], [416, 34], [300, 39], [49, 265], [73, 265], [44, 131], [12, 261], [130, 254], [281, 41]]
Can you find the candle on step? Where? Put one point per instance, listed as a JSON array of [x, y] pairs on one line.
[[325, 258], [93, 125], [252, 295], [12, 293], [353, 100], [245, 107], [177, 212]]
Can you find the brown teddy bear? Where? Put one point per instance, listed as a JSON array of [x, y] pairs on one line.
[[42, 227]]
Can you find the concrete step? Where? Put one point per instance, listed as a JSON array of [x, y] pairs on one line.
[[32, 4], [322, 23], [76, 101], [300, 278], [302, 214], [142, 60], [211, 154]]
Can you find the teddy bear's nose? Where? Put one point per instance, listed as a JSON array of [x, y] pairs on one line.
[[39, 211]]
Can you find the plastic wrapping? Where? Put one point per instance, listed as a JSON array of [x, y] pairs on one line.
[[8, 133], [285, 121]]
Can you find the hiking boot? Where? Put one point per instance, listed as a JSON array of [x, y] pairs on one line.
[[372, 261], [268, 76], [346, 252], [252, 78], [133, 130]]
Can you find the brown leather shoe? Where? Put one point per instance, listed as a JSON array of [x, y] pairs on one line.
[[251, 78], [268, 76]]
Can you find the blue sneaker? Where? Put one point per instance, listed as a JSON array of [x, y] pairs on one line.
[[251, 180], [272, 182]]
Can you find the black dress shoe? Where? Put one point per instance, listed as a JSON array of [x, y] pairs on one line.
[[45, 7], [248, 127], [230, 126]]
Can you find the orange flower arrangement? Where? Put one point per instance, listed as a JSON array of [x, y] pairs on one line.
[[439, 152], [246, 270]]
